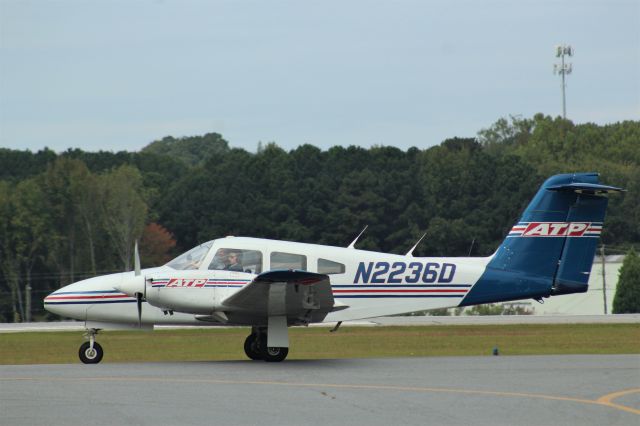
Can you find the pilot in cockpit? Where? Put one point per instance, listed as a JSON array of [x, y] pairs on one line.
[[227, 259], [233, 262]]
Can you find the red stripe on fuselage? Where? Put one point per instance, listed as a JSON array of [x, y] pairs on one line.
[[110, 296], [400, 291]]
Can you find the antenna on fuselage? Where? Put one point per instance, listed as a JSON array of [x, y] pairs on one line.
[[471, 248], [353, 243], [410, 252]]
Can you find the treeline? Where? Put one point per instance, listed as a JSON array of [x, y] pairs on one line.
[[68, 216]]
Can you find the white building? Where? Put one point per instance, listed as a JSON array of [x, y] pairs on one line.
[[591, 302]]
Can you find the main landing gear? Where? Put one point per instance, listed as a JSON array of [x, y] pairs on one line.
[[91, 352], [255, 346]]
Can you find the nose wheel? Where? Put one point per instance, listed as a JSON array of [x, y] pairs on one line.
[[91, 352], [90, 355]]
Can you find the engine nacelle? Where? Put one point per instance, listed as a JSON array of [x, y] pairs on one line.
[[193, 291], [189, 293]]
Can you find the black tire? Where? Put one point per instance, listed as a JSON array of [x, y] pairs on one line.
[[274, 354], [251, 348], [87, 356]]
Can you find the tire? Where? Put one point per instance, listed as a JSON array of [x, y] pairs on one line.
[[87, 356], [275, 354], [251, 348]]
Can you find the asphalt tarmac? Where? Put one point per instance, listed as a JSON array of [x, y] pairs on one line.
[[500, 390]]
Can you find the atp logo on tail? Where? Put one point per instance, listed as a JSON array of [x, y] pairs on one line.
[[556, 229]]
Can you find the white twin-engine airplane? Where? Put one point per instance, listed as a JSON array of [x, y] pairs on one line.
[[272, 285]]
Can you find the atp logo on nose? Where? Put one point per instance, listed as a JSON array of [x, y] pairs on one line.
[[556, 229], [177, 282]]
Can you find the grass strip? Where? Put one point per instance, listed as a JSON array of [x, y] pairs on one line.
[[316, 343]]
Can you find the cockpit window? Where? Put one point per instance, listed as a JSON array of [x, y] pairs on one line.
[[191, 259], [239, 260]]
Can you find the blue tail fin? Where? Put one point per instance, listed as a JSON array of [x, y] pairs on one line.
[[550, 250]]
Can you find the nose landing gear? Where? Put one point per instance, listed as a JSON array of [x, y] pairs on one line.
[[91, 352]]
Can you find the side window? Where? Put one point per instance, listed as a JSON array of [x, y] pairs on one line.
[[239, 260], [330, 267], [288, 261]]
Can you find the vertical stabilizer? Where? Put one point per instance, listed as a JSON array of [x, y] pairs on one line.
[[550, 250]]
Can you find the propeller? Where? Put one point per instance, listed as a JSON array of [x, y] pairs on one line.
[[134, 286], [139, 303]]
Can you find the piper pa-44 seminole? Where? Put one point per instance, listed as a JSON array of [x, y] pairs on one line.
[[272, 285]]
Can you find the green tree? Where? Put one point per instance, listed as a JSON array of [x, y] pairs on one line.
[[193, 150], [9, 260], [70, 201], [627, 298], [85, 195], [16, 165], [25, 229], [124, 210], [32, 229]]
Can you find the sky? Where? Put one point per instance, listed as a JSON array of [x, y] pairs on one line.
[[117, 75]]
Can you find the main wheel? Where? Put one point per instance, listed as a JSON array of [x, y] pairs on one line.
[[251, 347], [274, 354], [90, 356]]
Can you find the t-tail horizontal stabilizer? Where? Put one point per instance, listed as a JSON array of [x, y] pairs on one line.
[[586, 188]]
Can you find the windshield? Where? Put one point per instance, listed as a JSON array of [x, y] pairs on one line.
[[191, 259]]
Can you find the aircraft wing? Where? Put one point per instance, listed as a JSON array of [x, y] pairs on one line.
[[301, 296]]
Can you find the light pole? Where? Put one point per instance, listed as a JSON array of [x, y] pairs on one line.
[[563, 69]]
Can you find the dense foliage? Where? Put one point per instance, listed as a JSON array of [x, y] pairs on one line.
[[191, 150], [71, 215], [627, 298]]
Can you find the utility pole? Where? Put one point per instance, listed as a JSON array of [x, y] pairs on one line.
[[563, 69], [27, 296], [604, 281]]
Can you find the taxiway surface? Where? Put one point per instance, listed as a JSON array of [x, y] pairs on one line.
[[522, 390]]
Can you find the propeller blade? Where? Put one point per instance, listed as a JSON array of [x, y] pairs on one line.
[[139, 303], [136, 260]]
